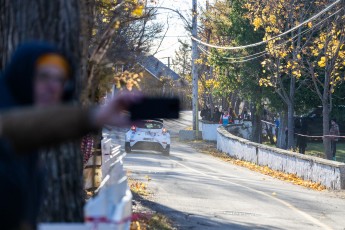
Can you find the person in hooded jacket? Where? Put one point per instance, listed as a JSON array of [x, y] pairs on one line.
[[21, 173], [24, 84]]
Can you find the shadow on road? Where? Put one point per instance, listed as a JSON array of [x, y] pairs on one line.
[[184, 220], [153, 154]]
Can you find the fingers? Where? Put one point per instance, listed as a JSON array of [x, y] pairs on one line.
[[115, 113], [124, 100]]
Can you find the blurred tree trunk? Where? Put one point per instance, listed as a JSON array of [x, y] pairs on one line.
[[233, 99], [257, 125], [237, 106], [282, 138], [63, 23]]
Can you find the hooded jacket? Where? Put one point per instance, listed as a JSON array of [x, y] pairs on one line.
[[20, 174]]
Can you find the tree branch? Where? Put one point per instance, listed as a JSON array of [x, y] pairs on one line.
[[160, 43], [187, 23]]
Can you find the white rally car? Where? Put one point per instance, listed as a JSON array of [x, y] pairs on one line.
[[148, 135]]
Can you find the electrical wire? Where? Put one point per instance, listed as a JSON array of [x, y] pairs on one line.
[[270, 39], [260, 54], [237, 61], [303, 32]]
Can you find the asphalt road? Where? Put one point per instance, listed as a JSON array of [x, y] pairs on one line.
[[198, 191]]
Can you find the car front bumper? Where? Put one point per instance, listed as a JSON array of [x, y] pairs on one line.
[[143, 145]]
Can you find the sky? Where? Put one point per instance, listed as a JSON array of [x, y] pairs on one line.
[[174, 26]]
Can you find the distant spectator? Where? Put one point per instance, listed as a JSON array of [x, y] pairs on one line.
[[277, 124], [208, 114], [205, 113], [225, 119], [221, 112], [245, 115], [334, 131], [216, 115], [232, 114], [265, 113], [302, 139]]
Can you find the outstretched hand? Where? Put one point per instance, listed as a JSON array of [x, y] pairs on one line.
[[115, 112]]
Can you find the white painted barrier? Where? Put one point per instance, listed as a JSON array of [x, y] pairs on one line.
[[111, 150], [209, 130], [329, 173], [111, 208]]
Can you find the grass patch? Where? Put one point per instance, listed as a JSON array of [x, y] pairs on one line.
[[269, 144], [316, 149]]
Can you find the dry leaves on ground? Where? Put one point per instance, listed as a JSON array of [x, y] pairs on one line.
[[138, 187], [150, 221], [145, 218], [209, 148]]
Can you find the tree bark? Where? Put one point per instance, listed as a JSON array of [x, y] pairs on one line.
[[63, 189], [237, 106], [245, 105], [291, 111], [326, 140], [232, 102], [57, 22], [257, 125], [326, 113], [291, 127], [281, 141]]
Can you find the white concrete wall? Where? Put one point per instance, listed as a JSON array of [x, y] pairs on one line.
[[209, 131], [241, 129], [329, 173]]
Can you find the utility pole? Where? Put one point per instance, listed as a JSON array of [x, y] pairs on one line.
[[195, 67], [168, 61]]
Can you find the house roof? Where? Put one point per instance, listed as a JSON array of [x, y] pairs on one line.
[[156, 68]]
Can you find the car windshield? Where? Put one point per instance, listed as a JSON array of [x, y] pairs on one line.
[[150, 125]]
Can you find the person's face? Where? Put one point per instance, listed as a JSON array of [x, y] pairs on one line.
[[332, 122], [48, 85]]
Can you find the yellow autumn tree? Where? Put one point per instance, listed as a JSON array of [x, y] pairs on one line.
[[282, 68], [311, 51], [326, 67]]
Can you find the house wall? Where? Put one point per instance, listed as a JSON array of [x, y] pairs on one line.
[[151, 86]]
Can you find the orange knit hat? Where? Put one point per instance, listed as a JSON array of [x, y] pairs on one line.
[[54, 59]]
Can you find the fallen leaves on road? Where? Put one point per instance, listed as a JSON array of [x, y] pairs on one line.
[[144, 217], [145, 221], [209, 148], [138, 187], [148, 178]]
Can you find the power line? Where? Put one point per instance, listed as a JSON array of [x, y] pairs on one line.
[[270, 39], [260, 54], [243, 60], [228, 58]]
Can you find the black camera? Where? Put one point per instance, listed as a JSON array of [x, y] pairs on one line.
[[153, 108]]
